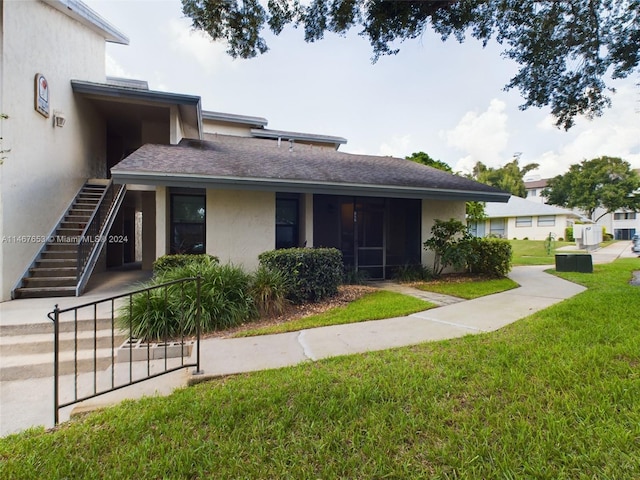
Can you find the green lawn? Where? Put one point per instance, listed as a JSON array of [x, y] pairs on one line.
[[373, 306], [470, 289], [533, 252], [554, 396]]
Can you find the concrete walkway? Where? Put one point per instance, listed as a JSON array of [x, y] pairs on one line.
[[25, 403]]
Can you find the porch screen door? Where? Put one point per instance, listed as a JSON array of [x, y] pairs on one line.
[[369, 218]]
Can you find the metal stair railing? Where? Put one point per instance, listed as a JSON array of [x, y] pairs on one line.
[[94, 235]]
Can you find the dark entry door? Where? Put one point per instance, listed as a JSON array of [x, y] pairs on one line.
[[369, 229]]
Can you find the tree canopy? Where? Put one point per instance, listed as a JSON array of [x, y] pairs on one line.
[[425, 159], [509, 177], [604, 182], [566, 49]]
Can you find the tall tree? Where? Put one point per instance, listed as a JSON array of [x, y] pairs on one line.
[[566, 49], [509, 177], [604, 182]]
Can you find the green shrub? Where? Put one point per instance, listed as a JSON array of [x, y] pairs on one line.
[[568, 234], [490, 256], [450, 242], [167, 262], [269, 289], [225, 301], [312, 273]]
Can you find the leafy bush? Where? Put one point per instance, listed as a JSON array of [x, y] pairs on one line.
[[269, 289], [490, 256], [351, 276], [167, 262], [450, 241], [312, 273], [568, 234], [170, 311]]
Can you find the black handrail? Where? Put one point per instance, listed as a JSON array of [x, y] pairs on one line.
[[113, 306]]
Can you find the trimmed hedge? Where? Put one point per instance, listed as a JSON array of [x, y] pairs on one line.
[[312, 273], [169, 262], [490, 256]]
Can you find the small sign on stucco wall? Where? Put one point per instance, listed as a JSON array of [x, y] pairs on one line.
[[42, 95]]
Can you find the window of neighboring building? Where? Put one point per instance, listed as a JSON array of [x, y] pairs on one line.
[[624, 216], [497, 227], [547, 221], [188, 223], [524, 221], [532, 193], [287, 221]]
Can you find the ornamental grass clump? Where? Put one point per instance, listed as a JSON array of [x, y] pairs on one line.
[[269, 289], [171, 311]]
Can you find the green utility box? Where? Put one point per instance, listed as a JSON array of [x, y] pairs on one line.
[[574, 263]]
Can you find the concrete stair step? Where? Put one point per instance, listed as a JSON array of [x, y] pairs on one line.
[[45, 282], [39, 272], [60, 254], [41, 365], [46, 328], [44, 292], [42, 343]]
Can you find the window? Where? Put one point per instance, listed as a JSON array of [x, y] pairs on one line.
[[496, 228], [547, 221], [187, 223], [624, 216], [287, 222], [532, 193], [524, 221]]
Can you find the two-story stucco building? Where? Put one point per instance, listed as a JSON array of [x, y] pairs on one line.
[[98, 169]]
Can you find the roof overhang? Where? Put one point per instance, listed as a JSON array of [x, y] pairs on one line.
[[298, 186], [189, 106], [89, 18], [235, 118]]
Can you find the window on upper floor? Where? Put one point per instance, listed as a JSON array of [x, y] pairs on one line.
[[624, 216]]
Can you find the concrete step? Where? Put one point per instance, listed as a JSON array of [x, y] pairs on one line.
[[46, 328], [38, 272], [44, 292], [45, 282], [41, 365], [41, 343], [60, 254], [56, 263]]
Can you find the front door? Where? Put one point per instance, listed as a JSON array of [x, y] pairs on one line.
[[363, 235]]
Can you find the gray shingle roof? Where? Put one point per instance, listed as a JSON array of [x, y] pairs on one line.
[[519, 207], [251, 163]]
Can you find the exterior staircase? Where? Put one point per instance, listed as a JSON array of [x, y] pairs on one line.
[[56, 271]]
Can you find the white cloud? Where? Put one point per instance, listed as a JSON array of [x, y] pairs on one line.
[[114, 69], [397, 146], [616, 134], [198, 45], [482, 136]]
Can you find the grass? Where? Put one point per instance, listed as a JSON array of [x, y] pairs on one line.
[[373, 306], [552, 396], [471, 288], [533, 252]]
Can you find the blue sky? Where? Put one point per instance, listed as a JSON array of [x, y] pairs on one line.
[[446, 99]]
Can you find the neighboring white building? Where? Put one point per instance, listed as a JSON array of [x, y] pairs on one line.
[[520, 219], [195, 181]]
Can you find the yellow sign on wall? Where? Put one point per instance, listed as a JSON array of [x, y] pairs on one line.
[[42, 95]]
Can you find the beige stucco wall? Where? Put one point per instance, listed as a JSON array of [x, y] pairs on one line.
[[240, 225], [211, 127], [306, 220], [47, 164], [433, 210]]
